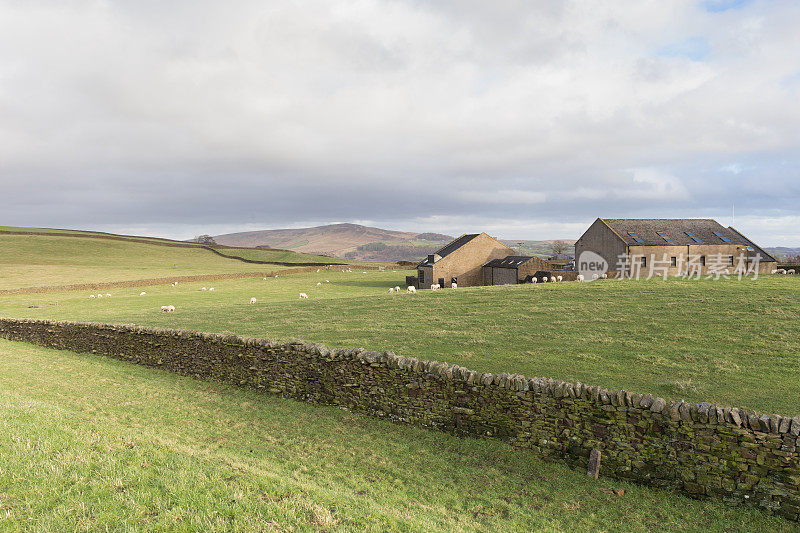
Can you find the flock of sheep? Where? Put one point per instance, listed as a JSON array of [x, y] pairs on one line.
[[783, 271]]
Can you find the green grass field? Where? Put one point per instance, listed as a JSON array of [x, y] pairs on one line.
[[719, 341], [84, 233], [37, 261], [91, 443]]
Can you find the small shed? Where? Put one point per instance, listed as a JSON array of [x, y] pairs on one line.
[[512, 269]]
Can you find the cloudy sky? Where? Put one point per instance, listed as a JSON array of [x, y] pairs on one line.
[[527, 119]]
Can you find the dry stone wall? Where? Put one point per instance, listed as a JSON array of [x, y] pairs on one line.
[[703, 450]]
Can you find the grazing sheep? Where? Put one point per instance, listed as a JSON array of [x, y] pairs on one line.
[[579, 278], [790, 271], [411, 289], [534, 280], [781, 271], [391, 290], [435, 286], [99, 295], [774, 272], [326, 281], [252, 300], [317, 270], [108, 295], [211, 288], [552, 279], [594, 276], [318, 284], [203, 289], [142, 293], [454, 285], [303, 296], [92, 296], [397, 289], [167, 308], [265, 279], [605, 275], [560, 278]]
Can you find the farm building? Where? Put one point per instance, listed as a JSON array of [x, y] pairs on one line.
[[671, 247], [512, 269], [461, 261]]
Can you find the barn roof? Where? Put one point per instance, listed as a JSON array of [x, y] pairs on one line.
[[447, 249], [511, 261], [679, 232]]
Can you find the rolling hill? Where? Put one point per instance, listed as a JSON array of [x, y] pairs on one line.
[[333, 239], [364, 243]]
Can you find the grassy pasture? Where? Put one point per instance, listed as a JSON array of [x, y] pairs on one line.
[[85, 233], [91, 443], [35, 261], [729, 342]]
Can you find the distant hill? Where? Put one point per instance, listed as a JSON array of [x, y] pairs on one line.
[[356, 242], [333, 239]]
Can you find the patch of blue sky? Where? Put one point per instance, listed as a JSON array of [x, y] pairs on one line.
[[718, 6], [694, 48]]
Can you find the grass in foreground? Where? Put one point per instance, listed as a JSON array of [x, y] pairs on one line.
[[91, 443], [720, 341]]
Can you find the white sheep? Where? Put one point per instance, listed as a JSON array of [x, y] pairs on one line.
[[142, 293], [454, 285], [594, 276], [252, 301], [579, 278], [99, 295], [203, 289], [411, 289], [391, 290], [92, 296], [605, 275], [318, 284], [552, 279], [774, 272], [265, 279], [534, 280], [167, 308], [108, 294], [303, 296], [317, 270], [397, 289], [327, 281], [790, 271], [435, 286], [211, 289], [560, 278]]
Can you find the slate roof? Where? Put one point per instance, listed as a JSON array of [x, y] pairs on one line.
[[704, 231], [511, 261], [447, 249]]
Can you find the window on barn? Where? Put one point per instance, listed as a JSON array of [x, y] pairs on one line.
[[644, 261], [702, 260], [421, 277], [730, 260], [673, 261]]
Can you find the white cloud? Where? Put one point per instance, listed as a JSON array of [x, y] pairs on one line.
[[185, 113]]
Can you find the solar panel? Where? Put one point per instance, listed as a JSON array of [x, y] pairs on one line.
[[635, 237], [692, 236], [664, 236], [722, 237]]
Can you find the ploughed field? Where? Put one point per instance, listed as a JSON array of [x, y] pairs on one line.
[[730, 342], [91, 443]]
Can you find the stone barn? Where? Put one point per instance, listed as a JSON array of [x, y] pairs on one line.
[[671, 247], [461, 261], [512, 269]]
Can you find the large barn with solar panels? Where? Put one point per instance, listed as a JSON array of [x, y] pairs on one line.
[[672, 247]]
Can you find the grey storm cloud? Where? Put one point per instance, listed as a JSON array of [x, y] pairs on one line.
[[529, 119]]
